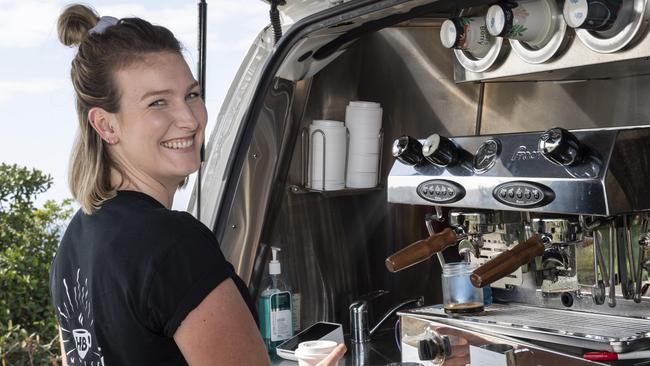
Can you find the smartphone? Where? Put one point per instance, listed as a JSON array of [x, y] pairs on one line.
[[319, 331]]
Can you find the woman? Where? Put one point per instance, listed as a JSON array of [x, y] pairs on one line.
[[133, 282]]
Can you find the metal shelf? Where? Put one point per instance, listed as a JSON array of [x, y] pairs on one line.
[[296, 189], [307, 173]]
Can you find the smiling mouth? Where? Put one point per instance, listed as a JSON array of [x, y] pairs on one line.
[[178, 144]]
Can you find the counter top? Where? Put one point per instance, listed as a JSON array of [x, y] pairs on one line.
[[381, 350]]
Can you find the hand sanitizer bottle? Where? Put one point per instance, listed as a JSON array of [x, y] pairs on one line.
[[275, 306]]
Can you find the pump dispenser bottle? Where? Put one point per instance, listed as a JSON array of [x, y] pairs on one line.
[[275, 306]]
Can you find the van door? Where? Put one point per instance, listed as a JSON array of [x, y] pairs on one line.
[[236, 103]]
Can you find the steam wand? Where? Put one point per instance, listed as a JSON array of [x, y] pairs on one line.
[[644, 241], [428, 221], [598, 293], [611, 301]]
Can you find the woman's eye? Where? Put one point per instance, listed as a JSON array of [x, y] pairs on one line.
[[158, 103], [192, 95]]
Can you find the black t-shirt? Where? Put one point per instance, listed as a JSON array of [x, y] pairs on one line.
[[125, 277]]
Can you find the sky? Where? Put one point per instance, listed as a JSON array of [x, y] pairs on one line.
[[38, 121]]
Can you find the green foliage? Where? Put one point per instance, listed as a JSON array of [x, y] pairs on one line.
[[517, 30], [29, 237]]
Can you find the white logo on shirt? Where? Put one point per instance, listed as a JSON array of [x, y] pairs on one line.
[[76, 319]]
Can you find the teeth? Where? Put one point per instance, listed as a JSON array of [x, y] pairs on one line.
[[178, 144]]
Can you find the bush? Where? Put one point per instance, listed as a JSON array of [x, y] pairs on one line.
[[29, 237]]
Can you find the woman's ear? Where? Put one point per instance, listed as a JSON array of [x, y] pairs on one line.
[[105, 124]]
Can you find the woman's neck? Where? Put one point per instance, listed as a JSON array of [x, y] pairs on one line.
[[161, 193]]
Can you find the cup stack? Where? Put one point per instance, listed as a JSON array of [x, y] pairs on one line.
[[331, 135], [363, 120], [310, 353]]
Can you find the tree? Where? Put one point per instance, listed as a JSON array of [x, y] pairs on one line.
[[29, 237]]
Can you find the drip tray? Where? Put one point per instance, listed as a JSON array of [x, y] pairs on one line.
[[579, 329]]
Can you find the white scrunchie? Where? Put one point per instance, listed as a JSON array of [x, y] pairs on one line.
[[102, 24]]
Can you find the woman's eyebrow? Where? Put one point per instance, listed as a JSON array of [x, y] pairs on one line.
[[194, 84], [155, 92], [165, 91]]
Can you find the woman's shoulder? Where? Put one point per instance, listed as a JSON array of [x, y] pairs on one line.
[[135, 221], [136, 208], [190, 223]]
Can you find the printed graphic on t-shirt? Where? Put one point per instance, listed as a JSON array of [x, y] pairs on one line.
[[76, 319]]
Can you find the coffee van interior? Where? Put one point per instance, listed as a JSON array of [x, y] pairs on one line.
[[389, 52]]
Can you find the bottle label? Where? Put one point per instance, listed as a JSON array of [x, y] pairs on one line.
[[281, 319]]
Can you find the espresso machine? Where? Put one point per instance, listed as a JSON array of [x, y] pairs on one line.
[[555, 223]]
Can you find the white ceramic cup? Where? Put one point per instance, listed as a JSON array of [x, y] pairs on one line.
[[312, 352], [318, 185], [361, 180], [469, 34], [358, 131], [363, 118], [331, 158], [364, 147], [364, 163], [528, 22], [326, 123]]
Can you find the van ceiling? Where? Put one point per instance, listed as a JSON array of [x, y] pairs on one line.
[[332, 36]]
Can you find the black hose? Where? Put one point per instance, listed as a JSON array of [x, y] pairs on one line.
[[275, 21], [201, 43]]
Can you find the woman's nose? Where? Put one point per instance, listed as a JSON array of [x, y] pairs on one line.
[[186, 118]]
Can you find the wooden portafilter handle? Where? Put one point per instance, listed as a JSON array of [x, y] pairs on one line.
[[507, 262], [421, 250]]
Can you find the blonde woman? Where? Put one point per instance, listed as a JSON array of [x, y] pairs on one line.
[[133, 282]]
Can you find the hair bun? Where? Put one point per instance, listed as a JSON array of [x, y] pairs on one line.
[[74, 23]]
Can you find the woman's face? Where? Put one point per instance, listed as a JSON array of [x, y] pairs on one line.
[[161, 120]]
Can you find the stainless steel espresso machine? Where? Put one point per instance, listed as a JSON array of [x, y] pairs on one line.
[[561, 241], [555, 220]]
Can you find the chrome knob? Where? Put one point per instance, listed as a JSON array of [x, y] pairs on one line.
[[434, 348], [560, 147], [439, 150], [595, 15], [428, 349], [408, 150]]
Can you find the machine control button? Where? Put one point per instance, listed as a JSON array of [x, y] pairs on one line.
[[408, 150], [440, 191], [486, 156], [560, 147], [440, 151], [437, 190], [429, 349], [523, 194]]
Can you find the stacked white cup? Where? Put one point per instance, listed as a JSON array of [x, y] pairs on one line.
[[332, 157], [310, 353], [363, 120]]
